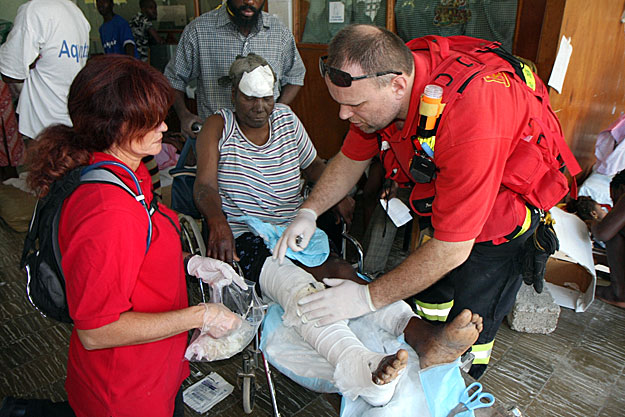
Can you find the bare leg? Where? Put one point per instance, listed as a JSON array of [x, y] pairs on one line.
[[333, 267], [442, 344], [615, 293]]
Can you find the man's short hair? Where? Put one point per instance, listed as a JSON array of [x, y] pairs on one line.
[[243, 64], [145, 3], [373, 48]]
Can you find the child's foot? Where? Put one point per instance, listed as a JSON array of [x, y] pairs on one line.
[[389, 367]]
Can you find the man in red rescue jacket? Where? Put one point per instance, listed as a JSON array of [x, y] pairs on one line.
[[481, 164]]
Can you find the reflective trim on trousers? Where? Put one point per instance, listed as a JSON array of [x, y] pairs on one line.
[[482, 353], [433, 312]]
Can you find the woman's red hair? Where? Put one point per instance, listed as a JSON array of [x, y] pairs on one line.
[[114, 99]]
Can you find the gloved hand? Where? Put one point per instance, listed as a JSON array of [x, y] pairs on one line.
[[214, 272], [219, 321], [298, 234], [344, 300]]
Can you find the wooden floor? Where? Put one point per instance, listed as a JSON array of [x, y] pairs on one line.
[[578, 370]]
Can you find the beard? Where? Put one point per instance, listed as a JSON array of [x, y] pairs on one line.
[[240, 19]]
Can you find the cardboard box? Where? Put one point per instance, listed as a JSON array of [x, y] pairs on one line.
[[570, 275]]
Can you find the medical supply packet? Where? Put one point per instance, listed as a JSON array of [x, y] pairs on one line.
[[207, 392]]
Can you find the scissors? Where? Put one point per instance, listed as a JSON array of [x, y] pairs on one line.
[[469, 402]]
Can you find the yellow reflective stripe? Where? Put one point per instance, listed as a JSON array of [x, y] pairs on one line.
[[482, 353], [526, 223], [433, 312], [530, 80]]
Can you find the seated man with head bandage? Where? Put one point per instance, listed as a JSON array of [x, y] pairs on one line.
[[250, 163]]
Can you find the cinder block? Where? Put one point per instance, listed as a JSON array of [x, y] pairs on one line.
[[533, 312]]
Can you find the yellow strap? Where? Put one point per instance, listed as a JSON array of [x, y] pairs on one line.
[[526, 223], [530, 80]]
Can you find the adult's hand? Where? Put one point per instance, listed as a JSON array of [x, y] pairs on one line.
[[298, 234], [219, 321], [344, 299], [389, 189], [344, 209], [220, 243], [187, 120], [214, 272]]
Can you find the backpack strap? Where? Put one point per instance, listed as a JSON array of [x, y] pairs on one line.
[[58, 189], [95, 174]]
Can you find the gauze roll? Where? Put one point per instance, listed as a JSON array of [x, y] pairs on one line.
[[258, 82]]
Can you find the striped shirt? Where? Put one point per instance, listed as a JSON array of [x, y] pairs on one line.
[[263, 181], [211, 42]]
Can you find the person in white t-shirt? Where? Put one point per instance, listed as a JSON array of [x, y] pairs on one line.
[[48, 45]]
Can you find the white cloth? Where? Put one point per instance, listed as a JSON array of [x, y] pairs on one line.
[[58, 33], [610, 149]]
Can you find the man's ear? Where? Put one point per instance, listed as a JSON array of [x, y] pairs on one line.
[[399, 86]]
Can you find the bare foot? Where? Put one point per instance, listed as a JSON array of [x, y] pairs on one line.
[[606, 295], [389, 367], [443, 344]]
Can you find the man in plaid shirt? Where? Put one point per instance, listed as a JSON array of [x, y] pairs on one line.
[[211, 42]]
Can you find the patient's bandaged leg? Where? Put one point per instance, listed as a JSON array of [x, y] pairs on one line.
[[354, 364]]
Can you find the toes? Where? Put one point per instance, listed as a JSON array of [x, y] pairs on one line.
[[464, 318], [402, 355]]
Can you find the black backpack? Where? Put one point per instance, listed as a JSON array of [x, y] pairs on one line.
[[41, 255]]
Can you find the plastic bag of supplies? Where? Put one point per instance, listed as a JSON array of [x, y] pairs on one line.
[[245, 303]]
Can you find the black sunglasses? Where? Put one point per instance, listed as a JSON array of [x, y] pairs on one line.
[[344, 79]]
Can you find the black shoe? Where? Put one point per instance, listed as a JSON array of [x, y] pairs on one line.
[[13, 407]]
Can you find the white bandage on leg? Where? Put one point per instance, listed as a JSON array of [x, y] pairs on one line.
[[354, 363], [286, 284], [393, 318]]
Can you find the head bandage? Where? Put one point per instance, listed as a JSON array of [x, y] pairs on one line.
[[258, 82]]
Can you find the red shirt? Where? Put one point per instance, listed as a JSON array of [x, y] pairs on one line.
[[474, 139], [102, 237]]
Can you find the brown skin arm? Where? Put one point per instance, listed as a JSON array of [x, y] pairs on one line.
[[10, 80], [343, 209], [134, 328], [288, 93], [154, 34], [422, 268], [612, 223], [220, 243], [186, 117], [129, 48]]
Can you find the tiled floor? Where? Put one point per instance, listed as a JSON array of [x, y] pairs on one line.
[[578, 370]]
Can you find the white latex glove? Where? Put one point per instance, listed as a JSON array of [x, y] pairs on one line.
[[344, 299], [214, 272], [219, 321], [298, 234]]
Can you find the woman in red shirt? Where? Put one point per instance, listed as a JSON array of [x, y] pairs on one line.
[[129, 306]]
